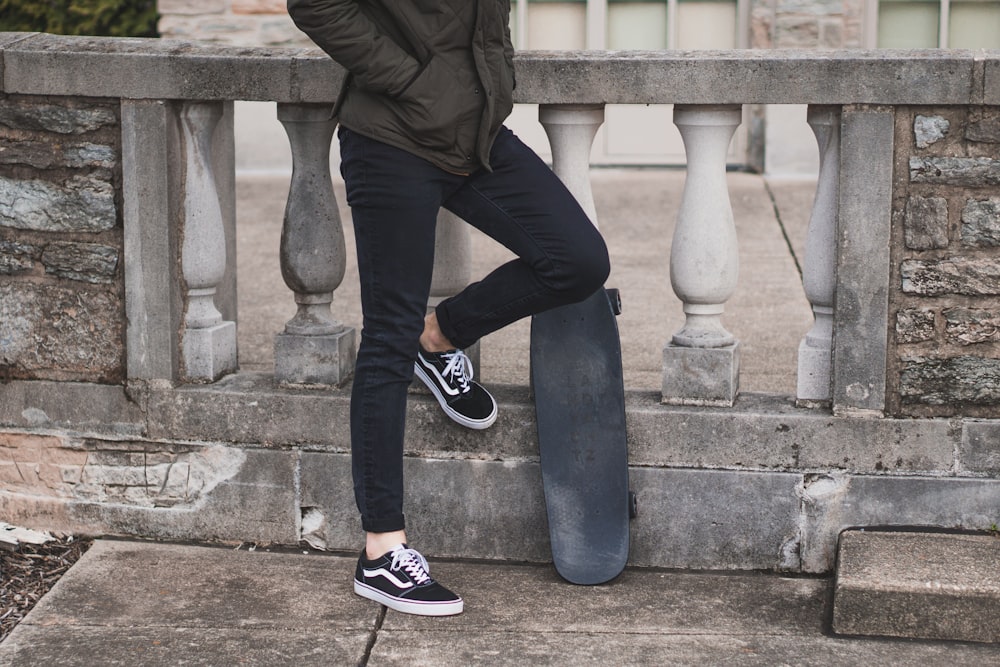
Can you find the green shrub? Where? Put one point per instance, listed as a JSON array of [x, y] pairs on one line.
[[116, 18]]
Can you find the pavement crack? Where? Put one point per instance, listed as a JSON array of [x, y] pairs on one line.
[[372, 637], [781, 225]]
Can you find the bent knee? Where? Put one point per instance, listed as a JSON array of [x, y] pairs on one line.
[[587, 272]]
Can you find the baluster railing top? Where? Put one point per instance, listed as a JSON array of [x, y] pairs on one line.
[[171, 69]]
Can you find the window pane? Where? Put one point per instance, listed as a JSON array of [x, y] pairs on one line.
[[706, 24], [557, 25], [637, 25], [974, 25], [908, 24]]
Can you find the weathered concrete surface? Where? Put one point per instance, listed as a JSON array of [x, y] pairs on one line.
[[920, 585], [128, 603], [171, 69]]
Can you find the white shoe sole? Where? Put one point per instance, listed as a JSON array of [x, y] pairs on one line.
[[476, 424], [406, 606]]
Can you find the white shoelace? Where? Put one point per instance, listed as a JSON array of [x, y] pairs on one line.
[[413, 562], [458, 369]]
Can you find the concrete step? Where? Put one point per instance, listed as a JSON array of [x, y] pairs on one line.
[[918, 585]]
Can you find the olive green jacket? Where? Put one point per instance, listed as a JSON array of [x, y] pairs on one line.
[[432, 77]]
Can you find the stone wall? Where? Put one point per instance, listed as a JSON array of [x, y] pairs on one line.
[[946, 313], [806, 24], [61, 287], [237, 22]]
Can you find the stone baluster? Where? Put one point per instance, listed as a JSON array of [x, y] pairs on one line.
[[571, 129], [701, 361], [819, 265], [314, 348], [208, 342]]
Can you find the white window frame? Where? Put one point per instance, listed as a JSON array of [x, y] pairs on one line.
[[871, 27], [597, 23]]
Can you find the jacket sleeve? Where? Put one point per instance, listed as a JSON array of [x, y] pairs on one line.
[[508, 47], [354, 41]]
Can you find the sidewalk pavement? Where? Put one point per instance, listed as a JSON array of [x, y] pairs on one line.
[[144, 603]]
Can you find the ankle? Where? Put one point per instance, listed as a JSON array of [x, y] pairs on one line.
[[431, 339], [378, 544]]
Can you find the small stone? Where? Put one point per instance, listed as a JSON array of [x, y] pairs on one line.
[[981, 223], [80, 204], [23, 115], [87, 262], [969, 326], [926, 223], [16, 257], [49, 331], [960, 380], [929, 130], [51, 155], [984, 126], [975, 172], [914, 325], [956, 275]]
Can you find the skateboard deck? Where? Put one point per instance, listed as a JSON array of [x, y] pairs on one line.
[[576, 375]]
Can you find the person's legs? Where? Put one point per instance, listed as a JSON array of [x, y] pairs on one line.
[[524, 206]]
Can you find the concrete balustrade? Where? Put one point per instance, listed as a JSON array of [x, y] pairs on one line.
[[893, 422], [701, 361], [209, 342], [314, 347], [820, 262]]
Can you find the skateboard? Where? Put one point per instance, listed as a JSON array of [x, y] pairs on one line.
[[576, 376]]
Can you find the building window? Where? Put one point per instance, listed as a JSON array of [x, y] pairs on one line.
[[957, 24]]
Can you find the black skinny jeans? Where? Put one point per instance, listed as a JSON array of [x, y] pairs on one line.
[[394, 198]]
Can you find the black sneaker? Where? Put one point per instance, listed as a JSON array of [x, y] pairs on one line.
[[449, 377], [400, 581]]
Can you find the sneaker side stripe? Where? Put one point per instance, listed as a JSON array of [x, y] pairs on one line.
[[382, 572], [440, 380]]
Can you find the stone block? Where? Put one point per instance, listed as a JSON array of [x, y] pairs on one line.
[[230, 494], [789, 76], [52, 155], [49, 330], [983, 125], [70, 405], [918, 585], [148, 69], [926, 223], [688, 518], [326, 359], [971, 172], [863, 261], [17, 257], [834, 502], [969, 326], [152, 286], [459, 507], [969, 276], [979, 450], [956, 381], [915, 325], [928, 130], [813, 372], [981, 223], [210, 353], [701, 376], [81, 203], [86, 262], [24, 114]]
